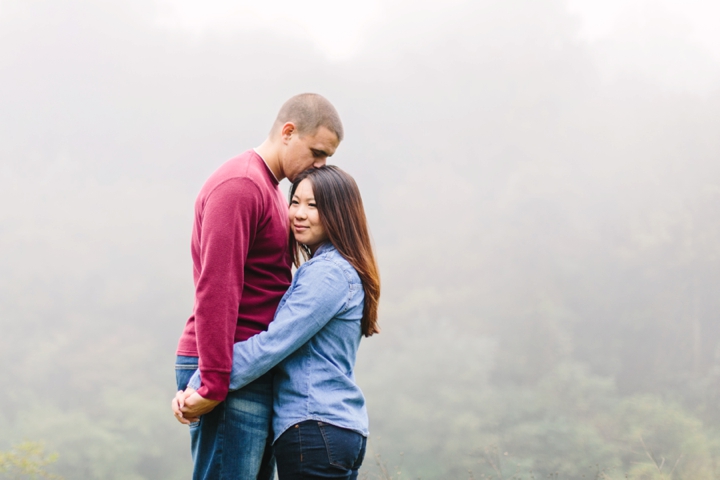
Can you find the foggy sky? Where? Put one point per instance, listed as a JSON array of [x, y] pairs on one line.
[[110, 124]]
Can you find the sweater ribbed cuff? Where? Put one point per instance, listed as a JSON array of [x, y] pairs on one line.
[[214, 385]]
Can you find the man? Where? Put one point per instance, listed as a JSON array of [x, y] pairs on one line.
[[241, 270]]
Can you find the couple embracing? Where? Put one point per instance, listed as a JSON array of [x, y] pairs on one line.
[[265, 363]]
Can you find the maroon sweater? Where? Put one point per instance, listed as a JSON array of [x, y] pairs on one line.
[[241, 265]]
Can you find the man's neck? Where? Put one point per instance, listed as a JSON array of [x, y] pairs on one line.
[[269, 153]]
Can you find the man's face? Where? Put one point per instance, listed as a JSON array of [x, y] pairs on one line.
[[311, 150]]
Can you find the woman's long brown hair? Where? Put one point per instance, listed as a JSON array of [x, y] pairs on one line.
[[342, 215]]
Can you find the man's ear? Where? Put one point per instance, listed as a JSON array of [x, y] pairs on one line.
[[287, 131]]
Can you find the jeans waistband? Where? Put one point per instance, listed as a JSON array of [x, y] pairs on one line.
[[183, 361]]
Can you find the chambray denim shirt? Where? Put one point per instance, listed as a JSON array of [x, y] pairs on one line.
[[313, 340]]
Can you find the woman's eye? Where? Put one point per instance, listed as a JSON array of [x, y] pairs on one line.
[[312, 205], [294, 202]]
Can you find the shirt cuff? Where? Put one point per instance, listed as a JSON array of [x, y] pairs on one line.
[[195, 382], [214, 385]]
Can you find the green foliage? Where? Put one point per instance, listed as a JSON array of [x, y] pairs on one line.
[[129, 436], [568, 424], [673, 442], [27, 460]]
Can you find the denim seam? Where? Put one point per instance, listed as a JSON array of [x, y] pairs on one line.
[[327, 444], [321, 425], [221, 441], [361, 454], [348, 278], [302, 465]]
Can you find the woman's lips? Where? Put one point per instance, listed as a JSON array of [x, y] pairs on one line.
[[300, 228]]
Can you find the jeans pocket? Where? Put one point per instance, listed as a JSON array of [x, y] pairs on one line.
[[343, 446], [184, 369]]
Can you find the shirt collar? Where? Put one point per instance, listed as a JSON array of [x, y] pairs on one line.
[[325, 247]]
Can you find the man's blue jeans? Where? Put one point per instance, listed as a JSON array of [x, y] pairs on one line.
[[233, 442]]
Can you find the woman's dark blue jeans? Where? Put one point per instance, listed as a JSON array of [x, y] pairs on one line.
[[313, 449]]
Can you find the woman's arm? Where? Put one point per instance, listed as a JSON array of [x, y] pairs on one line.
[[321, 291]]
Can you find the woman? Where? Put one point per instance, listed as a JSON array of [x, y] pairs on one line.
[[320, 422]]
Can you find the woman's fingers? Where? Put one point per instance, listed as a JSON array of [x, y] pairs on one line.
[[180, 396], [176, 408], [178, 402]]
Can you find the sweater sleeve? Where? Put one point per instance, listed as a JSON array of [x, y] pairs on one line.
[[320, 293], [228, 226]]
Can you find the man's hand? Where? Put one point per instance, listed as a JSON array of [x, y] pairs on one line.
[[195, 405], [188, 406]]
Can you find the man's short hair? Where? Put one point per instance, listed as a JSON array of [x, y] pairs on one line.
[[309, 111]]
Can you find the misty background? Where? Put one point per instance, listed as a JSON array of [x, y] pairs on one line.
[[542, 181]]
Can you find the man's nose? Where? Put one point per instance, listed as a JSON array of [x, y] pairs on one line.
[[320, 162]]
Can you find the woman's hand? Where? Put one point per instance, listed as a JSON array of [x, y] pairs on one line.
[[188, 406], [178, 403]]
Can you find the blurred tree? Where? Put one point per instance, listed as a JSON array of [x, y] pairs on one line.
[[27, 460]]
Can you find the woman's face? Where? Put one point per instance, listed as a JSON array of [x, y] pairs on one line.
[[304, 217]]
